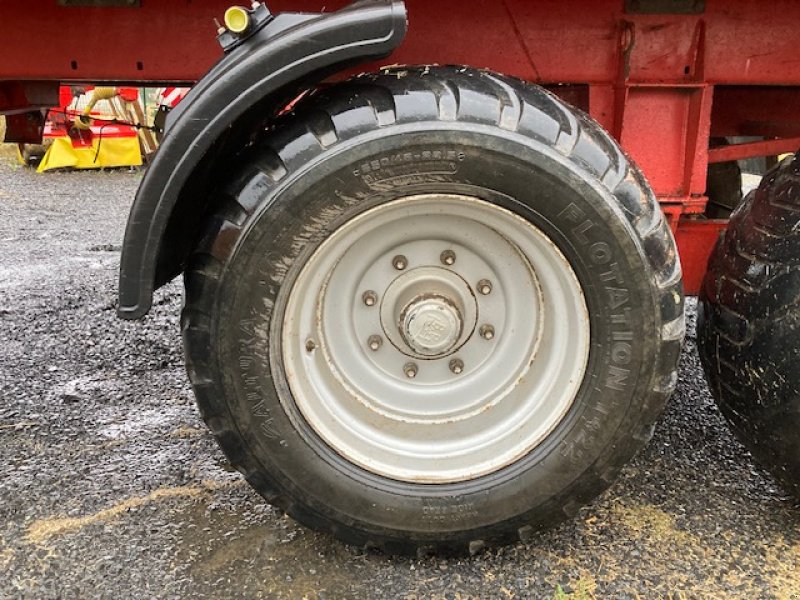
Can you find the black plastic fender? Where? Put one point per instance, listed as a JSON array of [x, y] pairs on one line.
[[292, 52]]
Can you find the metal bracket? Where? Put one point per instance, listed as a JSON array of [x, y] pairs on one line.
[[665, 7], [25, 128], [260, 17]]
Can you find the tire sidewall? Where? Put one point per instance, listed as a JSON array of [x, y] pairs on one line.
[[534, 181]]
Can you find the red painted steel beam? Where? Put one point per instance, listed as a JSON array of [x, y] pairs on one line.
[[554, 41], [753, 149], [159, 40]]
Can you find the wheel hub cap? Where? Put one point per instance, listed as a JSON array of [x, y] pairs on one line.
[[427, 312], [431, 326]]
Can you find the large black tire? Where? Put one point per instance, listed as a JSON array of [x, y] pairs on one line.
[[749, 323], [442, 130]]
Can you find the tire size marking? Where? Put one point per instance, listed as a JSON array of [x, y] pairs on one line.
[[253, 392], [618, 296], [405, 168], [442, 513]]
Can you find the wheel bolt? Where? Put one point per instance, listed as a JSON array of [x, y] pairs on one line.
[[448, 257], [485, 287], [410, 369], [369, 297], [310, 345], [457, 366], [400, 262], [374, 342], [487, 332]]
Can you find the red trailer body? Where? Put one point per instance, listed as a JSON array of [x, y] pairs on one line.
[[662, 77]]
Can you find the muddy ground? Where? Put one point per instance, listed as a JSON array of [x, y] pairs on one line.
[[112, 487]]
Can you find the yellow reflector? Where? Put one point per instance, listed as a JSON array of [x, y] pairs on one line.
[[237, 19]]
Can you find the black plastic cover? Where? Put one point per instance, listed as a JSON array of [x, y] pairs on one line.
[[293, 47]]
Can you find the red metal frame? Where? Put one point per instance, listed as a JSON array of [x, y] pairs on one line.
[[662, 84], [753, 149]]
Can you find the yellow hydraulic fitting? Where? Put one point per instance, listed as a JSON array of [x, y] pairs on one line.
[[237, 19], [241, 23], [99, 93]]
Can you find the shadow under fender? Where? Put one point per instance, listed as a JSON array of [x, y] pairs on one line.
[[256, 79]]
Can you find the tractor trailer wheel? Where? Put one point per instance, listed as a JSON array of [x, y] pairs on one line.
[[749, 323], [438, 309]]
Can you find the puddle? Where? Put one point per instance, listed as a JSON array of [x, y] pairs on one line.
[[257, 552]]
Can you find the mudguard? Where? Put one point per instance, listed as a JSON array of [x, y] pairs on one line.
[[292, 52]]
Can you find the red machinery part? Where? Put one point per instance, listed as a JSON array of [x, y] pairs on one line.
[[662, 84], [696, 238], [753, 149]]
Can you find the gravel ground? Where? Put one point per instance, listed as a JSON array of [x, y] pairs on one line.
[[111, 485]]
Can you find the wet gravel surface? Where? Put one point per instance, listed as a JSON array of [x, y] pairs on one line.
[[111, 485]]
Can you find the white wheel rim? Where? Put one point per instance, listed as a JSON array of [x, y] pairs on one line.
[[400, 363]]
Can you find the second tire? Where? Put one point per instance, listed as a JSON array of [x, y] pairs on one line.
[[749, 323]]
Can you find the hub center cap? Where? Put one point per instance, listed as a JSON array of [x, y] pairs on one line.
[[427, 312], [431, 326]]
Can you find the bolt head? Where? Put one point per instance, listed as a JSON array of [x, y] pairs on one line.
[[410, 369], [487, 332], [374, 342], [399, 262], [457, 366], [448, 257], [369, 298], [485, 287]]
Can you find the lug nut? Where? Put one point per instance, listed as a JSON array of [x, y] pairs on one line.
[[410, 369], [457, 366], [369, 297], [400, 262], [485, 287], [374, 342], [310, 345], [487, 332], [448, 257]]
